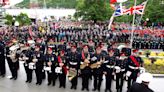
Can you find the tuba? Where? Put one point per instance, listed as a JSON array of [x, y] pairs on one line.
[[13, 52], [72, 73]]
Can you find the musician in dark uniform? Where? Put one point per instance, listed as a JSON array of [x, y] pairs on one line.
[[133, 64], [2, 59], [74, 64], [14, 56], [120, 71], [62, 72], [110, 62], [51, 61], [97, 59], [9, 61], [26, 57], [39, 65], [85, 70], [62, 46]]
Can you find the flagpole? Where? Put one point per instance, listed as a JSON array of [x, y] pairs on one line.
[[111, 21], [133, 25]]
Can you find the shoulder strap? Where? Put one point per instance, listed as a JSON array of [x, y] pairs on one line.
[[134, 61]]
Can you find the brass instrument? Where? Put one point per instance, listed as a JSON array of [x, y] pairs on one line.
[[85, 63], [97, 65], [72, 73], [13, 52]]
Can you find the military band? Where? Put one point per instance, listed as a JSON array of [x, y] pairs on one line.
[[71, 58]]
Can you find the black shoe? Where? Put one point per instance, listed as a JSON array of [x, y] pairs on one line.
[[53, 84], [99, 90], [26, 81], [71, 87], [60, 86], [15, 78], [37, 83], [3, 75], [29, 81], [94, 89], [49, 84], [82, 89], [87, 89], [11, 78], [75, 87]]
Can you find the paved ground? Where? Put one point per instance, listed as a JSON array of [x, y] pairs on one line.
[[7, 85]]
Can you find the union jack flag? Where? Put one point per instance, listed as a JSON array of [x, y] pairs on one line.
[[139, 9]]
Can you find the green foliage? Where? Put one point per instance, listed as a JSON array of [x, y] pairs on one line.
[[23, 19], [95, 10], [154, 11], [50, 3], [9, 19]]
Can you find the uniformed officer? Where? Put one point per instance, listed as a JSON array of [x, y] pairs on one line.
[[2, 59], [145, 79], [133, 64], [39, 65], [62, 69], [27, 58], [85, 69], [120, 70], [96, 65], [14, 56], [110, 62], [51, 62], [74, 63], [9, 61]]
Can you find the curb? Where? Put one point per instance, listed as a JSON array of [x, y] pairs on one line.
[[158, 75]]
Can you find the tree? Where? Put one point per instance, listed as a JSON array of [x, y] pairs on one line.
[[23, 19], [154, 11], [9, 19], [95, 10]]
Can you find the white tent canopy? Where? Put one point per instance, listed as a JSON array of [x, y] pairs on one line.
[[41, 13]]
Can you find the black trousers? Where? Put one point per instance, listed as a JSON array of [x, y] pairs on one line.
[[28, 72], [2, 65], [119, 80], [97, 81], [14, 69], [132, 78], [52, 76], [39, 75], [109, 78], [9, 61], [62, 80], [74, 82], [85, 80]]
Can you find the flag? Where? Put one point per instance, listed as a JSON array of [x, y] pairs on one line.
[[139, 9], [118, 12], [117, 1]]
